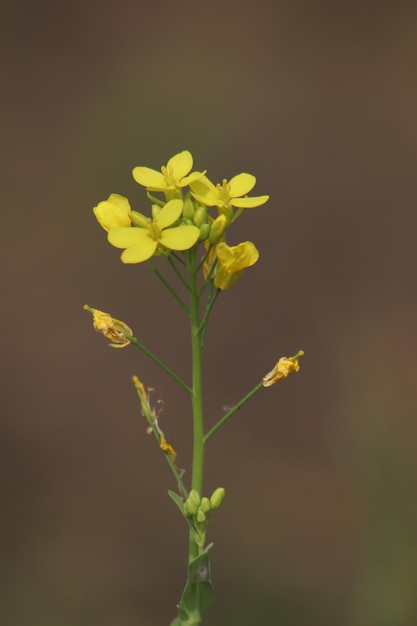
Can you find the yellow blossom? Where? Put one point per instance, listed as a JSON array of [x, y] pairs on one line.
[[174, 175], [113, 329], [281, 370], [231, 261], [141, 243], [113, 212], [228, 193]]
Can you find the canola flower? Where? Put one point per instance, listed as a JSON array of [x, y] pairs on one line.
[[141, 243], [231, 261], [228, 194], [173, 176]]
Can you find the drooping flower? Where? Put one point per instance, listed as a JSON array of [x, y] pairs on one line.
[[231, 261], [113, 329], [113, 212], [281, 370], [174, 175], [228, 193], [141, 243]]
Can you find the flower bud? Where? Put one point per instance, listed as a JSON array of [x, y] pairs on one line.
[[217, 228], [190, 508], [194, 496], [201, 517], [205, 505], [204, 231], [188, 209], [200, 216], [217, 497]]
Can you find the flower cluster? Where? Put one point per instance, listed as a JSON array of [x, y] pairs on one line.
[[181, 219]]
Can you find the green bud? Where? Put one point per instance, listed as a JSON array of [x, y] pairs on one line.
[[205, 505], [188, 210], [200, 216], [190, 508], [217, 228], [138, 219], [217, 497], [194, 496], [204, 231], [201, 517]]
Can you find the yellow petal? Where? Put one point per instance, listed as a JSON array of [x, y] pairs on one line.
[[126, 237], [113, 212], [241, 184], [181, 164], [169, 213], [139, 252], [149, 178], [249, 203], [180, 238]]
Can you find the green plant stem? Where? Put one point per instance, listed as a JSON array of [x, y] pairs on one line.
[[203, 326], [178, 273], [155, 359], [197, 393], [168, 286], [232, 411]]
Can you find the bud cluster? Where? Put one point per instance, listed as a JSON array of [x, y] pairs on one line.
[[198, 511]]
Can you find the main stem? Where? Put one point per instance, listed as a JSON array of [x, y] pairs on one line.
[[197, 391]]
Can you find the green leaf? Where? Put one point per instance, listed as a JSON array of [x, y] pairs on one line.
[[198, 593]]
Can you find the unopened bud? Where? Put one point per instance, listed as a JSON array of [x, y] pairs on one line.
[[190, 508], [200, 216], [217, 228], [194, 496], [217, 497], [201, 517], [188, 210], [205, 505], [204, 231]]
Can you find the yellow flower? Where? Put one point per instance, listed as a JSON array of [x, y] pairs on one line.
[[228, 194], [172, 176], [113, 329], [113, 212], [282, 369], [142, 243], [231, 261]]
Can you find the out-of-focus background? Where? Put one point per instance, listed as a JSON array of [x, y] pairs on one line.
[[318, 100]]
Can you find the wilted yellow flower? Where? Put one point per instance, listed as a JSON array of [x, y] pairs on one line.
[[228, 194], [113, 329], [172, 176], [142, 242], [281, 370], [113, 212], [231, 261], [166, 447]]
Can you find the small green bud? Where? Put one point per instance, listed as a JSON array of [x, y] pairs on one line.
[[194, 496], [200, 216], [204, 231], [201, 517], [188, 210], [205, 505], [138, 219], [190, 508], [217, 228], [217, 497]]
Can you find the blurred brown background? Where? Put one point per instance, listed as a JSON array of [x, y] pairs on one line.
[[318, 100]]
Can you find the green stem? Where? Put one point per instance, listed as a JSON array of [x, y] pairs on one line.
[[170, 289], [203, 326], [197, 393], [232, 411], [162, 365], [178, 273]]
